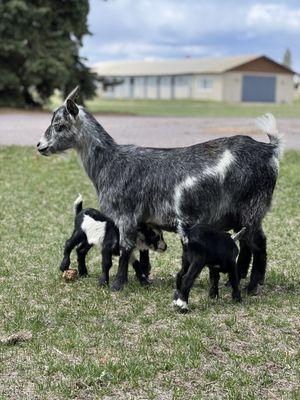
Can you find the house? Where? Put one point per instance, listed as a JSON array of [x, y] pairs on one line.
[[252, 78]]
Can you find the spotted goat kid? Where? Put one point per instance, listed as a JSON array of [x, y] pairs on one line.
[[93, 228], [206, 246]]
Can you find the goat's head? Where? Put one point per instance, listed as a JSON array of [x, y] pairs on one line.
[[150, 238], [62, 134]]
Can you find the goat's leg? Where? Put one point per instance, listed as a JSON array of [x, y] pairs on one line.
[[82, 251], [73, 241], [234, 281], [186, 284], [122, 274], [106, 266], [128, 234], [145, 262], [184, 268], [244, 259], [139, 270], [259, 261], [214, 277]]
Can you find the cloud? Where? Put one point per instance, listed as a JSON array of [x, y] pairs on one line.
[[124, 29], [273, 17]]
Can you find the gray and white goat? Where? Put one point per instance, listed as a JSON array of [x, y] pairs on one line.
[[226, 183]]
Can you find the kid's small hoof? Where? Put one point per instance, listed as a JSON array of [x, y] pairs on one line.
[[237, 299], [182, 305], [213, 294]]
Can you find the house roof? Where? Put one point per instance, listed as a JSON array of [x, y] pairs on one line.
[[184, 66]]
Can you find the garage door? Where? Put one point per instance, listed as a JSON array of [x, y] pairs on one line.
[[259, 88]]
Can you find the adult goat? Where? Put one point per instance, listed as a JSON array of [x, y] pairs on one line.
[[227, 182]]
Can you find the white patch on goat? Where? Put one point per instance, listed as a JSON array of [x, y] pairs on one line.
[[221, 167], [188, 183], [77, 201], [181, 303], [94, 230], [132, 257], [275, 163]]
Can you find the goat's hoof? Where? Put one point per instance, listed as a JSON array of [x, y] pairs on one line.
[[237, 299], [63, 267], [117, 286], [181, 305], [103, 282], [144, 280], [252, 290]]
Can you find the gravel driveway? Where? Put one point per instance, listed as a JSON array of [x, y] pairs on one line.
[[25, 128]]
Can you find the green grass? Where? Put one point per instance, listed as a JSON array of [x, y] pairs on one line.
[[185, 108], [191, 108], [89, 343]]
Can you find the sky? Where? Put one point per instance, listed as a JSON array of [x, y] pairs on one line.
[[158, 29]]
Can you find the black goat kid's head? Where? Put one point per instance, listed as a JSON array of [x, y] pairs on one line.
[[62, 134]]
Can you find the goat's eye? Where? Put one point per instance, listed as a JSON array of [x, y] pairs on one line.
[[60, 128]]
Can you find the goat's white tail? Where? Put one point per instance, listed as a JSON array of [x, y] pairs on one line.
[[237, 236], [77, 206], [267, 124]]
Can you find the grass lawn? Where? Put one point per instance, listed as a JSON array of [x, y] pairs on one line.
[[89, 343], [185, 108]]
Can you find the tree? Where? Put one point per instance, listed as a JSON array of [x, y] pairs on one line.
[[39, 50], [287, 58]]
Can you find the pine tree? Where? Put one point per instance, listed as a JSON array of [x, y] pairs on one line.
[[287, 58], [39, 50]]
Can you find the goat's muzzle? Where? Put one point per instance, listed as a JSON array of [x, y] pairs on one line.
[[42, 149], [162, 247]]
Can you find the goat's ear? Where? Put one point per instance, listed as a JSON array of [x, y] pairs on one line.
[[74, 94], [72, 108]]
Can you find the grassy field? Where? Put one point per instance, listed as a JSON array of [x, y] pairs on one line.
[[185, 108], [88, 343]]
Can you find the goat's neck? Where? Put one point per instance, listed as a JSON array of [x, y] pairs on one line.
[[96, 152]]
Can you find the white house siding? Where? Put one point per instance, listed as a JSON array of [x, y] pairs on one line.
[[214, 91], [232, 86], [122, 90], [139, 88], [165, 88], [182, 87], [151, 87], [284, 88]]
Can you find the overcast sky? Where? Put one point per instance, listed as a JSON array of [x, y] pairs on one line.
[[153, 29]]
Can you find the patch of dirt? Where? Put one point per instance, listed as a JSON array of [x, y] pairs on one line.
[[26, 127]]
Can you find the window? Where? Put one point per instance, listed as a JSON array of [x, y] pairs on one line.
[[182, 80], [205, 83]]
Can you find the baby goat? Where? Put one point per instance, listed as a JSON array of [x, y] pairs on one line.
[[93, 228], [206, 246]]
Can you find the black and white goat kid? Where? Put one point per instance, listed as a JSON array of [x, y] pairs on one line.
[[206, 246], [226, 183], [91, 227]]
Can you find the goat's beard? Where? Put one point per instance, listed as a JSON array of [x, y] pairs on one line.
[[65, 155]]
